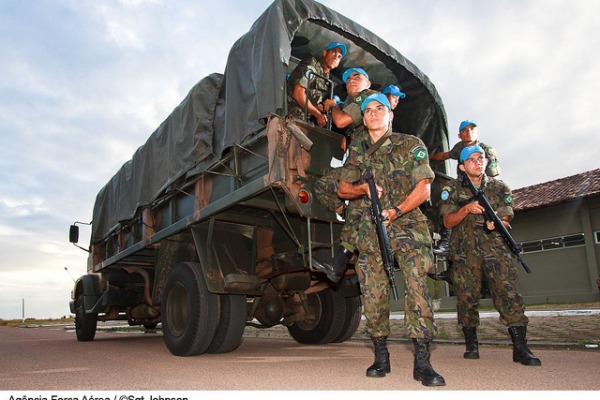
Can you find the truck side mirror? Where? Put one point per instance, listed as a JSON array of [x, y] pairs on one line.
[[73, 234]]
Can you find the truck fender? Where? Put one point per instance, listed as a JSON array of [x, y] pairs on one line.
[[89, 286]]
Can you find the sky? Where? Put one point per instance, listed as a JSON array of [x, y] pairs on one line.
[[83, 84]]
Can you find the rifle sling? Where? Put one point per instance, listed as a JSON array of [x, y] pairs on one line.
[[378, 143]]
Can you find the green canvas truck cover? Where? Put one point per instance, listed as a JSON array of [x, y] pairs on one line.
[[224, 109]]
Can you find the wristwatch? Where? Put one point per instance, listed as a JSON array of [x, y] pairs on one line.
[[398, 212]]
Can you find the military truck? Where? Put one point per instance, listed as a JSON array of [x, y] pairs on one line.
[[211, 226]]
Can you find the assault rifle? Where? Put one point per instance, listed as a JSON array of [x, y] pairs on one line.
[[382, 234], [490, 215], [312, 77]]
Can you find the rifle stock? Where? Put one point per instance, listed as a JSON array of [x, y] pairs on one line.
[[382, 233], [490, 215]]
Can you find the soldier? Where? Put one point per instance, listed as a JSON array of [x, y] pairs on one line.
[[349, 117], [394, 94], [315, 71], [468, 133], [403, 177], [478, 255]]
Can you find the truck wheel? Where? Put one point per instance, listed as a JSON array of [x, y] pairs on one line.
[[352, 321], [85, 324], [329, 310], [232, 323], [189, 311]]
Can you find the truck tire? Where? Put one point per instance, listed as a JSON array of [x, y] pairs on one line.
[[189, 311], [352, 321], [330, 313], [232, 322], [85, 324]]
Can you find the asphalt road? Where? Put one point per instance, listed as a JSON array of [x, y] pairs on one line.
[[52, 359]]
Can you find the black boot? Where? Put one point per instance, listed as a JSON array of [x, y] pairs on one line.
[[381, 366], [445, 275], [521, 352], [334, 269], [443, 245], [423, 371], [471, 343]]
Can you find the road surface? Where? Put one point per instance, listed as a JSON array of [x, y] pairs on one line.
[[52, 359]]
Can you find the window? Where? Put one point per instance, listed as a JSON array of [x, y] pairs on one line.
[[556, 242], [574, 240], [532, 246], [597, 236]]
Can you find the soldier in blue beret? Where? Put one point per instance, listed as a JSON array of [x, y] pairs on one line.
[[478, 253], [400, 165], [312, 72]]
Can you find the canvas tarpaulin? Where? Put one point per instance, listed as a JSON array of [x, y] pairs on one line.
[[223, 109]]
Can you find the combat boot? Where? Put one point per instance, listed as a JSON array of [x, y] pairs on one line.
[[334, 269], [521, 352], [443, 245], [381, 366], [471, 343], [423, 371], [445, 275]]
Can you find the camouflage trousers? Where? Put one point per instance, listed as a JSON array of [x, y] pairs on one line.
[[500, 274], [375, 287], [326, 190]]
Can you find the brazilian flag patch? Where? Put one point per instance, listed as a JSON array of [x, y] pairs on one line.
[[508, 199], [420, 153], [359, 100]]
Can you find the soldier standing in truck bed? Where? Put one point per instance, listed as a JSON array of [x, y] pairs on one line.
[[347, 116], [394, 94], [309, 79]]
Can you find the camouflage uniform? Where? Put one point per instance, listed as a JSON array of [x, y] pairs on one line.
[[352, 108], [477, 255], [326, 188], [318, 92], [398, 165], [493, 166]]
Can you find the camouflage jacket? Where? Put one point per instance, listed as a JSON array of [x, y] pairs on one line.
[[397, 165], [493, 167], [352, 108], [469, 236], [319, 90]]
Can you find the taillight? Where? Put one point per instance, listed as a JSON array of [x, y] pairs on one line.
[[304, 196]]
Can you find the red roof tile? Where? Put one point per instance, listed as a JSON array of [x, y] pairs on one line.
[[586, 184]]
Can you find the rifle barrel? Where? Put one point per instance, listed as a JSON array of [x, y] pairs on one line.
[[382, 233]]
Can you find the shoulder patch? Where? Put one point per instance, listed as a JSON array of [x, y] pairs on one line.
[[508, 199], [419, 151], [446, 190], [359, 99]]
